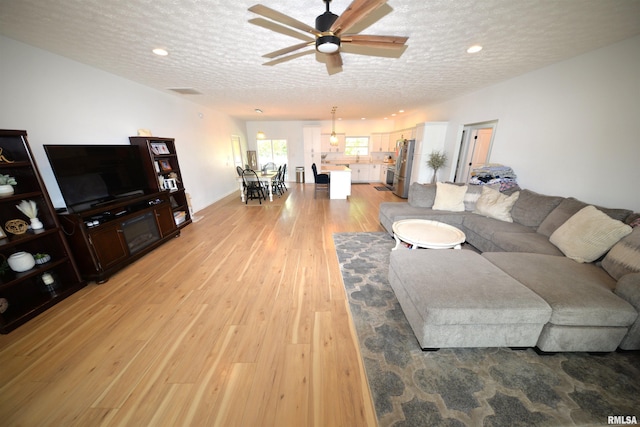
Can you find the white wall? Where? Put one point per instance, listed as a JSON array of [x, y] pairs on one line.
[[568, 129], [59, 101]]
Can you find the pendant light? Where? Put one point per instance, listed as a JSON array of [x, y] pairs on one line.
[[260, 135], [333, 139]]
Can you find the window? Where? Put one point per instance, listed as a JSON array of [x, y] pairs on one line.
[[272, 150], [356, 146]]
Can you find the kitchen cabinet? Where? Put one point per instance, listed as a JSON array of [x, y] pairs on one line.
[[360, 172], [383, 173], [27, 293], [374, 172], [381, 143], [312, 150]]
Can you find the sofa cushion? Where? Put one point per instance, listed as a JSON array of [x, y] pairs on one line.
[[449, 197], [588, 234], [569, 207], [473, 194], [486, 227], [525, 242], [532, 208], [395, 211], [579, 294], [494, 204], [624, 256], [422, 195]]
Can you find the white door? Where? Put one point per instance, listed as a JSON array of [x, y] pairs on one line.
[[475, 149]]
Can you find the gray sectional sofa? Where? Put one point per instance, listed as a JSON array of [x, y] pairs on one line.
[[516, 287]]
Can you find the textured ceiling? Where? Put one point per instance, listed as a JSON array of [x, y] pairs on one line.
[[214, 50]]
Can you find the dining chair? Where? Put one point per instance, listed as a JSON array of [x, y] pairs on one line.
[[322, 180], [252, 186]]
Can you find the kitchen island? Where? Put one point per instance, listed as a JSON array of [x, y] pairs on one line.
[[340, 183]]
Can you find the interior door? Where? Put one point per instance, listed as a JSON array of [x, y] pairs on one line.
[[475, 149]]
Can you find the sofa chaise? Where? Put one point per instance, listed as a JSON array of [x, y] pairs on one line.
[[530, 278]]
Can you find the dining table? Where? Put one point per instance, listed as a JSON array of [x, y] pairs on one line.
[[263, 176]]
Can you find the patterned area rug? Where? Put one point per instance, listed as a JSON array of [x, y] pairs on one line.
[[471, 387]]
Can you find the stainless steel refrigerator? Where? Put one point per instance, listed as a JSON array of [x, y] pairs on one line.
[[402, 177]]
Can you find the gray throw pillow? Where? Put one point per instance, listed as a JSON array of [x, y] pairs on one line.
[[569, 207], [422, 195], [532, 208]]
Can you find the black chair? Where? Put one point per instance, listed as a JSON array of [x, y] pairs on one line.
[[321, 180], [252, 186], [239, 170]]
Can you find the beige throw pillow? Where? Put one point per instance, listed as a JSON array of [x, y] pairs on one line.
[[588, 234], [494, 204], [449, 197]]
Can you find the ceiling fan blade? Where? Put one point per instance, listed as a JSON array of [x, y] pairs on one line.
[[283, 19], [357, 11], [334, 63], [270, 25], [383, 42], [288, 49], [370, 19], [289, 58], [363, 49]]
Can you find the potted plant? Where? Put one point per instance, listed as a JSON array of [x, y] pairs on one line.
[[6, 185], [436, 161]]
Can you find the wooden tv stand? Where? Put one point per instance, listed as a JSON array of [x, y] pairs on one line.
[[107, 238]]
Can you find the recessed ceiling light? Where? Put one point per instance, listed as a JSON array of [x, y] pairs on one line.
[[257, 110], [474, 49], [160, 52], [400, 111], [393, 114], [363, 118]]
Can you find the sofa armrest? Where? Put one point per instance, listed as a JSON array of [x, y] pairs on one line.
[[628, 288]]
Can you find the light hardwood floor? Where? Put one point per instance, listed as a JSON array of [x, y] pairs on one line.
[[240, 321]]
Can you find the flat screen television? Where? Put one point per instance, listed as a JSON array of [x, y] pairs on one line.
[[90, 176]]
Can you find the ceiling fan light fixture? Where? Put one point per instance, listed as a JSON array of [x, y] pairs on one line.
[[328, 44]]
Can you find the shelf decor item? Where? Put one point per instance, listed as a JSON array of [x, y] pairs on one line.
[[6, 185], [42, 258], [21, 261], [30, 209], [16, 226], [159, 148], [3, 158]]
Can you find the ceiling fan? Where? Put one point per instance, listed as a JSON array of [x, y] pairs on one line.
[[330, 35]]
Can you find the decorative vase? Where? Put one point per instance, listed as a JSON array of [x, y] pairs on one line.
[[21, 261], [6, 190], [434, 178], [36, 224]]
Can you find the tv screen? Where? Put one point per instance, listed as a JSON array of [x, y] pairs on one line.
[[93, 175]]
